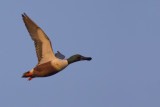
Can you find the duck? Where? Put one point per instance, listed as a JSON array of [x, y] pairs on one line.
[[48, 62]]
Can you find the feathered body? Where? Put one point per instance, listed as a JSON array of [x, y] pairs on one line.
[[50, 68], [48, 62]]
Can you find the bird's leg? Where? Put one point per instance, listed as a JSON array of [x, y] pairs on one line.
[[29, 78], [29, 74]]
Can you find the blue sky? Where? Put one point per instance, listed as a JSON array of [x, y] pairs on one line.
[[122, 37]]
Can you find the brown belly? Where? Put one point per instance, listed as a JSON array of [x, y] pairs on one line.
[[45, 70]]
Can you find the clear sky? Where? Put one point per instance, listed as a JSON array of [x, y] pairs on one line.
[[122, 37]]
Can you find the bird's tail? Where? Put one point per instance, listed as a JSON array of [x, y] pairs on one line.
[[27, 74]]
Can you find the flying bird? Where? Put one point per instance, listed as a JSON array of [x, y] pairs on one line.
[[48, 62]]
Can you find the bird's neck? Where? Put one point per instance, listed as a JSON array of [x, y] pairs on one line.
[[72, 59]]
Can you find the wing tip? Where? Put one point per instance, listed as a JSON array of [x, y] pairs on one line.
[[24, 14]]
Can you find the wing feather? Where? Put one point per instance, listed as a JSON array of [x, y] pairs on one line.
[[42, 43], [59, 55]]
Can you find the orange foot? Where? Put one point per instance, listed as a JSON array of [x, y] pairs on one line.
[[29, 74], [29, 78]]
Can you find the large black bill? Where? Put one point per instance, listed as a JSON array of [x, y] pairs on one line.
[[86, 58]]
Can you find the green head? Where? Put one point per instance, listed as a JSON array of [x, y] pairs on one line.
[[76, 58]]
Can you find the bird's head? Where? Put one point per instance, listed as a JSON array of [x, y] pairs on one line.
[[77, 57]]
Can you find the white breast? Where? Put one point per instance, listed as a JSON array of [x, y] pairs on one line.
[[59, 64]]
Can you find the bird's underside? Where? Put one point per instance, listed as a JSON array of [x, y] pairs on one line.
[[48, 62]]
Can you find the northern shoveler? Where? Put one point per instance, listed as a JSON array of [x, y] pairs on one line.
[[48, 62]]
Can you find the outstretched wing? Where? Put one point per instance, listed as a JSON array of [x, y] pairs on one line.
[[42, 43], [59, 55]]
